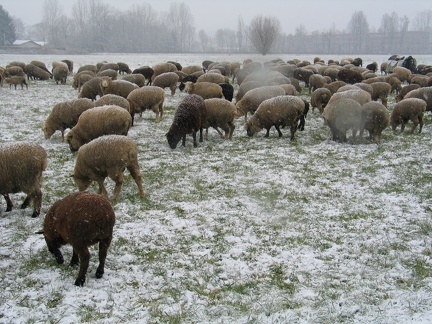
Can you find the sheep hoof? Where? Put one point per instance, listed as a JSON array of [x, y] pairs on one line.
[[99, 273], [35, 214], [80, 282]]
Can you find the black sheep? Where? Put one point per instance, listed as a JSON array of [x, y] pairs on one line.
[[350, 76], [227, 90], [189, 117]]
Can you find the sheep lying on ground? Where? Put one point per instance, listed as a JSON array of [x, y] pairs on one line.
[[408, 109], [149, 97], [424, 94], [15, 80], [167, 80], [279, 112], [118, 87], [405, 90], [189, 117], [253, 98], [97, 122], [375, 118], [206, 90], [65, 115], [107, 156], [91, 89], [220, 114], [80, 219], [341, 115], [21, 167]]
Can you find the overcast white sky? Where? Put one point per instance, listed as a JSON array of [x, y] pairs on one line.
[[211, 15]]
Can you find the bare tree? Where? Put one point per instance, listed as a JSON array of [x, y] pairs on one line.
[[180, 23], [241, 31], [263, 33], [423, 21], [52, 13], [358, 27], [204, 40]]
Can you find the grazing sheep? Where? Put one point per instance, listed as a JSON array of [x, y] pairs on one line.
[[220, 114], [112, 99], [91, 89], [149, 97], [16, 63], [381, 90], [206, 90], [303, 74], [319, 99], [372, 66], [375, 118], [76, 79], [14, 71], [80, 219], [88, 67], [421, 80], [136, 78], [166, 80], [118, 87], [107, 156], [15, 80], [334, 86], [245, 87], [213, 77], [279, 112], [65, 115], [41, 65], [21, 167], [146, 71], [112, 74], [109, 66], [383, 67], [405, 90], [349, 76], [341, 115], [227, 91], [205, 65], [316, 81], [358, 95], [189, 117], [60, 74], [123, 68], [402, 73], [289, 89], [191, 69], [56, 64], [36, 73], [162, 68], [190, 77], [408, 109], [422, 93], [69, 64], [96, 122], [253, 98]]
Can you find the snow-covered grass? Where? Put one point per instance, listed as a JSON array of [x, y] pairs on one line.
[[256, 230]]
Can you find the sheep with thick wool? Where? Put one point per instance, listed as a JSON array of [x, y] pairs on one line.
[[16, 80], [96, 122], [319, 99], [60, 74], [206, 90], [189, 118], [148, 97], [381, 90], [375, 118], [341, 115], [136, 78], [245, 87], [279, 111], [167, 80], [405, 90], [65, 115], [118, 87], [91, 89], [359, 95], [107, 156], [21, 167], [408, 109], [76, 84], [80, 219], [253, 98], [220, 114], [422, 93]]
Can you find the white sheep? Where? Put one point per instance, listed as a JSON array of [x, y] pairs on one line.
[[107, 156]]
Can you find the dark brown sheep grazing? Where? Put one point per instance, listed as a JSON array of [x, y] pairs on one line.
[[189, 117], [350, 76], [80, 219]]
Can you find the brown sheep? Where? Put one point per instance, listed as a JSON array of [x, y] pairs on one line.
[[375, 118], [149, 97], [316, 81], [15, 80], [75, 81], [123, 68], [408, 109], [319, 99], [166, 80], [136, 78], [91, 89], [189, 117], [107, 156], [60, 74], [220, 114], [405, 90], [80, 219], [422, 93], [206, 90], [21, 167], [36, 73], [381, 90], [146, 71], [245, 87], [118, 87]]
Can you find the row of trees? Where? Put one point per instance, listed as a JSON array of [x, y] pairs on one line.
[[96, 27]]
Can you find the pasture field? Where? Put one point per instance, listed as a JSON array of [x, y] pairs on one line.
[[250, 230]]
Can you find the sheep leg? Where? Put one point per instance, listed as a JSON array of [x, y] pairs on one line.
[[136, 175], [194, 139], [103, 249], [37, 203], [232, 127], [84, 257], [26, 202], [53, 247], [278, 130], [415, 121], [220, 133], [201, 139], [75, 260], [9, 202], [184, 139], [102, 189], [420, 118], [293, 131], [118, 179]]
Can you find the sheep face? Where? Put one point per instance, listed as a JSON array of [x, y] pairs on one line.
[[48, 131], [74, 142], [252, 127], [173, 139]]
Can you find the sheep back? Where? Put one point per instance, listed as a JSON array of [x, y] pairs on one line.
[[91, 89], [206, 90], [97, 122], [375, 119], [408, 109], [118, 87], [422, 93], [220, 114], [279, 112], [149, 97], [21, 167], [104, 156], [166, 80], [189, 117], [80, 219]]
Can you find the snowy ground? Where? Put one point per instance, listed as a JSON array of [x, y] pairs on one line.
[[252, 230]]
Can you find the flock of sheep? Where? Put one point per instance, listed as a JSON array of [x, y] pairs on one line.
[[111, 94]]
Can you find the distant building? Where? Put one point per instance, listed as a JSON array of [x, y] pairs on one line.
[[28, 44]]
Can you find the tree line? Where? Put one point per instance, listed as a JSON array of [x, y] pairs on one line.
[[94, 26]]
